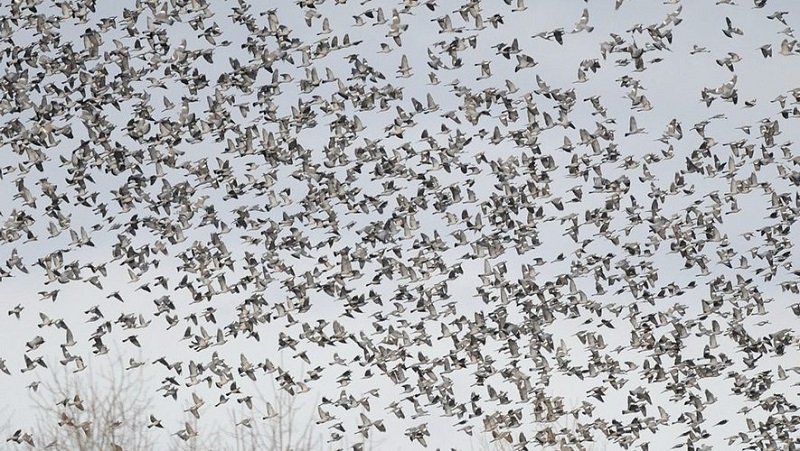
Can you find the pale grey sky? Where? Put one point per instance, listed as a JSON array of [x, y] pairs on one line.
[[582, 287]]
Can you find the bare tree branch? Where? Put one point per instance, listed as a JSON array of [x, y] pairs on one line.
[[94, 410]]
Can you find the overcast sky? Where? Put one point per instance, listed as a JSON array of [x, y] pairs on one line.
[[683, 250]]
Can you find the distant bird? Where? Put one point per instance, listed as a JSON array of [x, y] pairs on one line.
[[583, 23], [16, 311], [730, 30], [154, 422], [633, 129]]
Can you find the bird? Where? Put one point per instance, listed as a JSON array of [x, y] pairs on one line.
[[633, 129], [583, 23], [154, 422], [16, 311], [730, 30], [486, 71], [20, 437]]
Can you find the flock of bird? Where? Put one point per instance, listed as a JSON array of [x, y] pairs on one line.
[[413, 205]]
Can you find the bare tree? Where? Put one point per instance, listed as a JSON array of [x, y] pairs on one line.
[[279, 422], [541, 436], [108, 409], [100, 410], [275, 421]]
